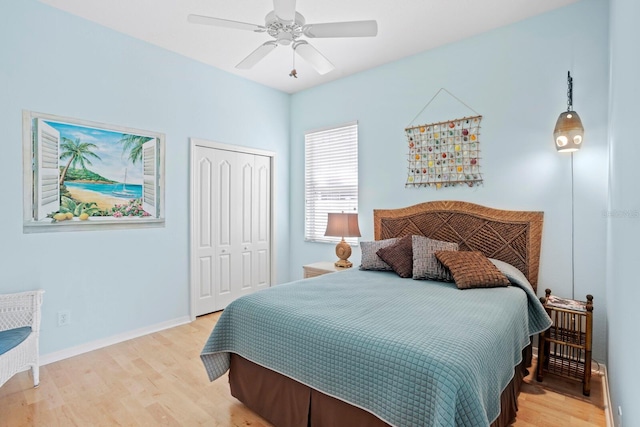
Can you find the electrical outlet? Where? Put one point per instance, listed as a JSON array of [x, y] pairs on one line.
[[64, 317]]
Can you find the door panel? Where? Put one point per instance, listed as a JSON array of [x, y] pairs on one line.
[[247, 198], [224, 276], [204, 198], [263, 269], [226, 224], [224, 193], [262, 222], [206, 284], [264, 197], [203, 236], [232, 225], [247, 281]]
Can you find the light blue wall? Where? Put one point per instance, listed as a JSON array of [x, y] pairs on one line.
[[623, 288], [516, 78], [118, 281]]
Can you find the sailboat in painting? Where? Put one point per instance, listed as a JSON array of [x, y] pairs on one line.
[[123, 192]]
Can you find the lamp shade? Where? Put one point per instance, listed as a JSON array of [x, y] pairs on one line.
[[568, 132], [342, 225]]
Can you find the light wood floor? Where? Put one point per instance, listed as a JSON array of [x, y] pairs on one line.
[[159, 380]]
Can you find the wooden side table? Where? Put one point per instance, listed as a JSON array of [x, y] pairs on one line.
[[565, 348], [320, 268]]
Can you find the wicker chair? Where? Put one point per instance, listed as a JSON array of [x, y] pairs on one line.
[[19, 334]]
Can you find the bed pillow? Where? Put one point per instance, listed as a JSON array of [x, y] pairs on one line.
[[399, 256], [425, 264], [471, 269], [370, 259]]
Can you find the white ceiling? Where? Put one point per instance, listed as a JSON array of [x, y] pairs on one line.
[[405, 27]]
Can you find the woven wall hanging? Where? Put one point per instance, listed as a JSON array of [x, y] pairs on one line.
[[446, 153]]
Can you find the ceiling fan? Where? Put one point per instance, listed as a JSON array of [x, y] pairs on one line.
[[287, 27]]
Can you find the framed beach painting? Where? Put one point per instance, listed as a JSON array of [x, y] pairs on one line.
[[81, 175]]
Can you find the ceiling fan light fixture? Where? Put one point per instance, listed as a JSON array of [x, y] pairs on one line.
[[285, 39]]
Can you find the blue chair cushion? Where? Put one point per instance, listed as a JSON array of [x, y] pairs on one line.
[[12, 337]]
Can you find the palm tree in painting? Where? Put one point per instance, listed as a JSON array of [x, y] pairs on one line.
[[133, 144], [78, 153]]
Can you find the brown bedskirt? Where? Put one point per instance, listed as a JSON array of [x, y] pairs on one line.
[[287, 403]]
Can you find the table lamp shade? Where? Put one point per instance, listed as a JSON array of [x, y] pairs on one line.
[[343, 225]]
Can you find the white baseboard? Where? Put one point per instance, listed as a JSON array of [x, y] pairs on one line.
[[608, 412], [94, 345], [606, 396]]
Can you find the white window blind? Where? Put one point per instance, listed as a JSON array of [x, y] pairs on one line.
[[331, 178]]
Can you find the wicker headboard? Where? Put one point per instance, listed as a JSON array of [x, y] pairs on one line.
[[510, 236]]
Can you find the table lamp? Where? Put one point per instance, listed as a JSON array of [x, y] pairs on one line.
[[343, 225]]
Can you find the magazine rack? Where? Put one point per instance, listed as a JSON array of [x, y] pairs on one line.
[[565, 348]]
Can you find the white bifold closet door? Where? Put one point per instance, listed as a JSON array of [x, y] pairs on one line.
[[233, 226]]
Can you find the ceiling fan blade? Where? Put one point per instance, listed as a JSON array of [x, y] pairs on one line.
[[285, 9], [208, 20], [257, 55], [341, 29], [310, 54]]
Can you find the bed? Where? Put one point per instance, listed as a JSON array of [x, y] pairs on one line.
[[368, 348]]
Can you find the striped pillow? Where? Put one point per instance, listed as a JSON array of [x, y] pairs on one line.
[[425, 264], [370, 259]]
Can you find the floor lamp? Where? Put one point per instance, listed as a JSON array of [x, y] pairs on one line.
[[568, 135]]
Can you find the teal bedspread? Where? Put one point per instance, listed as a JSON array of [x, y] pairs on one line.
[[412, 352]]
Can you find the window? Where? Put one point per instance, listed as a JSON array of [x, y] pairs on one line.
[[330, 179]]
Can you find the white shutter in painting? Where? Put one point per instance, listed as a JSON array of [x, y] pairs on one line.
[[331, 178], [150, 202], [47, 185]]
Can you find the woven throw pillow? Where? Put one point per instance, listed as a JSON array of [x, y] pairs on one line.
[[425, 264], [399, 256], [370, 259], [471, 269]]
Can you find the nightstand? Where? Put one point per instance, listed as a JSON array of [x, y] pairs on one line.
[[320, 268], [565, 348]]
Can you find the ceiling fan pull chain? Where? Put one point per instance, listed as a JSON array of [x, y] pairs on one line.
[[293, 72]]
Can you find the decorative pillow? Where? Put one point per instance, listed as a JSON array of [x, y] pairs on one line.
[[370, 259], [399, 256], [425, 264], [471, 269]]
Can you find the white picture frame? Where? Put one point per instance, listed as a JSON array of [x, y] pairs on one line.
[[81, 175]]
